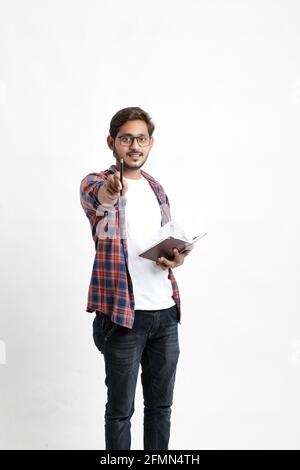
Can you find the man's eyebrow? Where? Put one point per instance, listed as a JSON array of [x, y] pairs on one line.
[[131, 135]]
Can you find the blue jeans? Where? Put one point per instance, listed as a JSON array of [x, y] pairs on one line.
[[153, 343]]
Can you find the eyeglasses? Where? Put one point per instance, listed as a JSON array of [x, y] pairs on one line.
[[127, 140]]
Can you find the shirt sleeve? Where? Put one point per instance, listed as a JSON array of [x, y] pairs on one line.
[[89, 188], [94, 211], [168, 202]]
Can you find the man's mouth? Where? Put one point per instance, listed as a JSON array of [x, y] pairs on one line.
[[134, 155]]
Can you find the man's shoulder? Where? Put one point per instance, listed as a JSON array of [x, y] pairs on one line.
[[153, 180], [97, 175], [158, 188]]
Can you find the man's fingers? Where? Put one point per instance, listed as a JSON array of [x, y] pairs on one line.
[[117, 182], [162, 265], [114, 184], [164, 262]]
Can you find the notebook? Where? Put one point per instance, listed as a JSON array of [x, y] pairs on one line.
[[171, 236]]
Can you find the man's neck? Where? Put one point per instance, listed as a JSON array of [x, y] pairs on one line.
[[132, 176]]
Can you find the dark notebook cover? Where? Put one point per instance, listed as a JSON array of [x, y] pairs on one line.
[[166, 246]]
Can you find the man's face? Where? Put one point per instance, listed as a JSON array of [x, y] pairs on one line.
[[134, 155]]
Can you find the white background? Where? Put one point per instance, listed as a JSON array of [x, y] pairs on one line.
[[221, 80]]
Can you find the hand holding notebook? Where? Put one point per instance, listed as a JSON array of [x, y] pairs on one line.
[[172, 236]]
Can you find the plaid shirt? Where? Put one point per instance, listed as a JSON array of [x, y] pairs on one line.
[[110, 289]]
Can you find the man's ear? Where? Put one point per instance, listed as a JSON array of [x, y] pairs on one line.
[[151, 141], [110, 142]]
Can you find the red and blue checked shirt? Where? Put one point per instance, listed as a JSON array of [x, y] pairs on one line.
[[110, 290]]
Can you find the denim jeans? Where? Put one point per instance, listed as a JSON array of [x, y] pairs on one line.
[[153, 343]]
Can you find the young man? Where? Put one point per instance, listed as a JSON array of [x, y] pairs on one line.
[[136, 300]]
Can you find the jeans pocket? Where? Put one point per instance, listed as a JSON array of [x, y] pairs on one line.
[[98, 335], [174, 312], [103, 328]]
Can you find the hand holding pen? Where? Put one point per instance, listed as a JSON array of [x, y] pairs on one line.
[[109, 192]]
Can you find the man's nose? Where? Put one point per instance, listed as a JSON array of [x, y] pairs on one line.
[[134, 145]]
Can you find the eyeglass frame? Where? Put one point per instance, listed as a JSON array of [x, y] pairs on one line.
[[132, 139]]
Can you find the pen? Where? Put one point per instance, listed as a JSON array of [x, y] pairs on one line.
[[121, 175], [200, 235]]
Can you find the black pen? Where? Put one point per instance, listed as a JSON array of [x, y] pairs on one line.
[[121, 175]]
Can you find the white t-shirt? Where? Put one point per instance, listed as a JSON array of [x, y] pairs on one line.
[[152, 289]]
